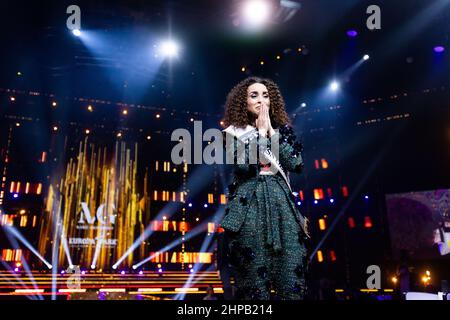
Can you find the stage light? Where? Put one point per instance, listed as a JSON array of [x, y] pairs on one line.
[[76, 32], [243, 69], [83, 272], [134, 267], [141, 272], [16, 269], [190, 205], [205, 205], [190, 266], [299, 203], [125, 112], [331, 200], [15, 195], [114, 267], [256, 12], [12, 98], [17, 124], [428, 273], [149, 137], [164, 217], [394, 279], [316, 202], [439, 49], [192, 119], [19, 73], [366, 197], [87, 131], [158, 116], [278, 57], [119, 135], [71, 266], [54, 104], [197, 219], [18, 264], [192, 270], [160, 270], [92, 266], [352, 33], [55, 128], [90, 108], [261, 62], [122, 272], [62, 272], [303, 104], [169, 49], [366, 57], [334, 86]]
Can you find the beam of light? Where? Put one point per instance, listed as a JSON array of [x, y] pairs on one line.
[[119, 55], [15, 245], [191, 234], [66, 247], [356, 191], [413, 27], [57, 231], [366, 57], [103, 231], [197, 266], [20, 281], [199, 178], [19, 236]]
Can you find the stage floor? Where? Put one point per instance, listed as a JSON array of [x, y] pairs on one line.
[[93, 286]]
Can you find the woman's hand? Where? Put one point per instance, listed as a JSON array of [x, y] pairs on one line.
[[263, 122]]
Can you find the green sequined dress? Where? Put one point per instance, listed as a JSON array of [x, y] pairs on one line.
[[264, 227]]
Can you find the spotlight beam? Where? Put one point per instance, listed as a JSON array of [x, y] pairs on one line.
[[355, 192], [15, 244], [193, 233], [195, 183], [19, 236]]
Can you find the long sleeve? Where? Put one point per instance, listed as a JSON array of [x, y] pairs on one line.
[[290, 150]]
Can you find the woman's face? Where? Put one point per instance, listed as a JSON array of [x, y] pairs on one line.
[[257, 95]]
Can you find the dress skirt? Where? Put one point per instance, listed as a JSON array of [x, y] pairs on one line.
[[268, 252]]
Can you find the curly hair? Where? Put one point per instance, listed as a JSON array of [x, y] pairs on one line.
[[236, 112]]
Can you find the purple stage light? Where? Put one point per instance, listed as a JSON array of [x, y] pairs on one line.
[[160, 270], [141, 272], [122, 272], [16, 269], [352, 33], [331, 200], [15, 195], [439, 49], [190, 205], [316, 202]]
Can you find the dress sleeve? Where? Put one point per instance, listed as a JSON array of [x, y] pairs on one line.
[[290, 150]]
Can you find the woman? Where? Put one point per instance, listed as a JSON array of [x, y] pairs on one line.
[[266, 233]]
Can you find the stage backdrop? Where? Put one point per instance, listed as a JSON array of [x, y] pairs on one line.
[[95, 207]]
